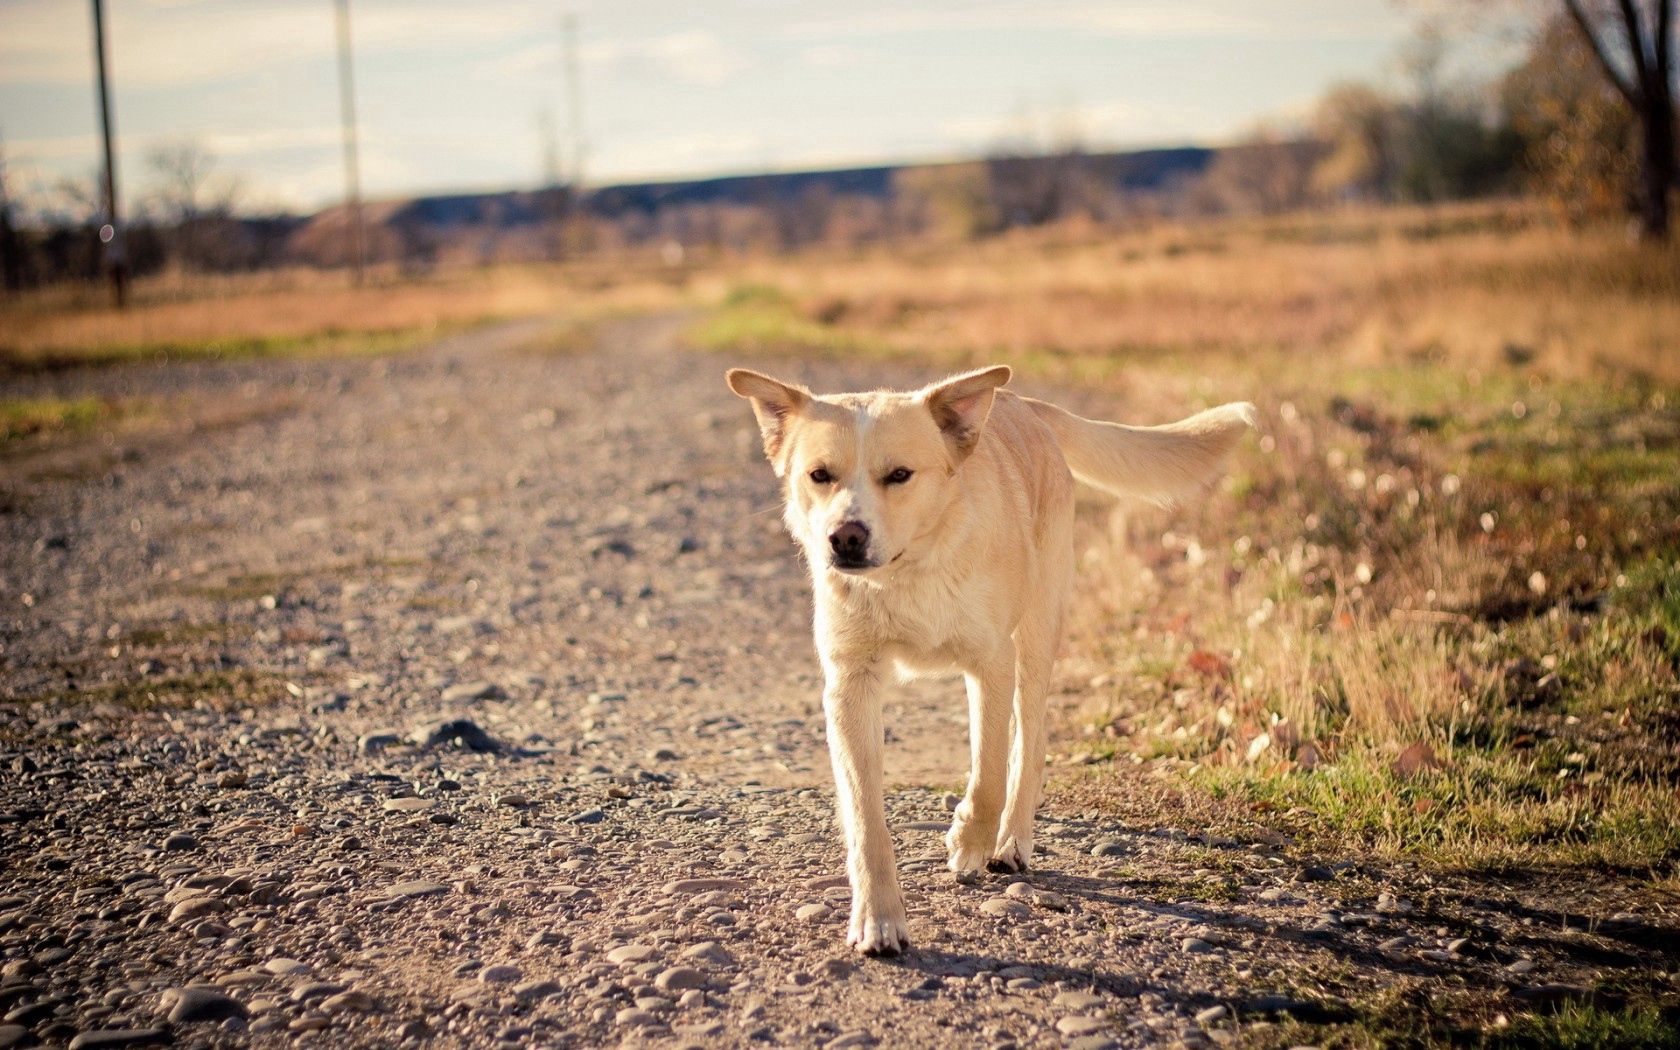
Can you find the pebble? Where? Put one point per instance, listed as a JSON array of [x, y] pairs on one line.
[[537, 989], [1210, 1015], [352, 1001], [636, 1017], [812, 912], [1109, 848], [588, 816], [710, 952], [104, 1038], [179, 842], [14, 1035], [315, 990], [680, 886], [502, 974], [1003, 907], [457, 732], [631, 954], [409, 804], [850, 1039], [418, 888], [373, 743], [1078, 1002], [196, 908], [283, 967], [1194, 946], [201, 1002], [680, 979], [1076, 1024], [466, 692]]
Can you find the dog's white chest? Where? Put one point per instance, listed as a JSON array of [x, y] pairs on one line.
[[926, 626]]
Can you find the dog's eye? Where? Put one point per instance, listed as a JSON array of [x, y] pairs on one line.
[[898, 477], [821, 476]]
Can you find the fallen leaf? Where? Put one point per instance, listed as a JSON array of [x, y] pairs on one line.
[[1415, 759], [1209, 664]]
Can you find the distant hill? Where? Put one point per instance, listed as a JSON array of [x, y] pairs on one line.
[[446, 217]]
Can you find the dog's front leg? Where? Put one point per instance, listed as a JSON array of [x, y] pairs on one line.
[[991, 689], [852, 704]]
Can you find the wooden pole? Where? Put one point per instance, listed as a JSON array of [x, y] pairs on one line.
[[111, 231]]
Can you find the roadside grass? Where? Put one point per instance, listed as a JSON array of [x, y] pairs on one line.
[[1435, 610], [307, 313], [24, 418], [1400, 1021]]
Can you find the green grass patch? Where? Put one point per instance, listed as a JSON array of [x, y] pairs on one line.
[[761, 319], [29, 417], [1481, 812], [335, 342], [1589, 1028]]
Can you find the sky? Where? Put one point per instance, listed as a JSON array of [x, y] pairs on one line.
[[451, 96]]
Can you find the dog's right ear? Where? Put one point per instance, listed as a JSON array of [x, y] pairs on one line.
[[774, 403]]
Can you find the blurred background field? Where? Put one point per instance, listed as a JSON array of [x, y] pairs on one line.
[[1434, 611]]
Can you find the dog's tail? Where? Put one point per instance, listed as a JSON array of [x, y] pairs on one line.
[[1159, 464]]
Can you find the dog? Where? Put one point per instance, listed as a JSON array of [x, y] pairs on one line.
[[938, 528]]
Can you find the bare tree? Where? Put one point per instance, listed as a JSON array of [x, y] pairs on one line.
[[194, 202], [1642, 72], [181, 170]]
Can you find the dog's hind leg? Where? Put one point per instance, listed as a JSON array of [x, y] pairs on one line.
[[852, 704], [991, 691]]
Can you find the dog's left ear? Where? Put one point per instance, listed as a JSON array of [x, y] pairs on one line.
[[960, 406], [774, 403]]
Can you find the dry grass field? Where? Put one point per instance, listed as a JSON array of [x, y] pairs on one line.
[[1436, 610]]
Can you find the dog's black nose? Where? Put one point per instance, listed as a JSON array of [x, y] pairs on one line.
[[849, 542]]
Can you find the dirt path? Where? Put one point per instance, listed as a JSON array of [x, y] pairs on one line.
[[230, 629]]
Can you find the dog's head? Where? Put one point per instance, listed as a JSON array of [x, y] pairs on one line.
[[868, 476]]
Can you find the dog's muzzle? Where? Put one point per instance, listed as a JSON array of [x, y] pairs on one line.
[[848, 547]]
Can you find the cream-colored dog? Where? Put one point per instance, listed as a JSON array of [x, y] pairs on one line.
[[939, 530]]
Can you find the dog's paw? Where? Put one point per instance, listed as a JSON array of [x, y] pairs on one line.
[[966, 857], [1012, 856], [881, 931], [968, 846]]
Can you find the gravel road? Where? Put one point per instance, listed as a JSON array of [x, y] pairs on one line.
[[466, 697]]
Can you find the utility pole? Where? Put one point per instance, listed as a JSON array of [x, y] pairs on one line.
[[352, 163], [574, 101], [110, 232]]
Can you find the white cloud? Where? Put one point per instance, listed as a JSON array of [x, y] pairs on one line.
[[690, 57]]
